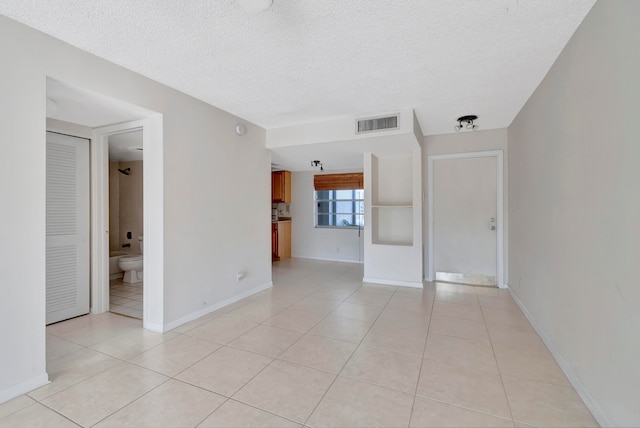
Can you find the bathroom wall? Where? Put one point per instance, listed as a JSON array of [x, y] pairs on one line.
[[114, 207], [125, 206]]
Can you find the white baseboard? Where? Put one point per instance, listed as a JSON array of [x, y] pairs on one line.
[[195, 315], [325, 259], [24, 387], [156, 328], [575, 381], [393, 282]]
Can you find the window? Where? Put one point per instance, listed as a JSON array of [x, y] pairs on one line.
[[340, 208]]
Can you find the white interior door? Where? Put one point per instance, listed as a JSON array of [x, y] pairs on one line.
[[465, 216], [67, 253]]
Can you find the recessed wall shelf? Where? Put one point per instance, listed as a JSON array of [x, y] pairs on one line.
[[392, 225]]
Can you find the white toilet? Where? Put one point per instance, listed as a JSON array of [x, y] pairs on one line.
[[132, 266]]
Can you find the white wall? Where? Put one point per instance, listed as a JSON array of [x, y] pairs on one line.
[[310, 242], [74, 129], [207, 166], [466, 142], [574, 157]]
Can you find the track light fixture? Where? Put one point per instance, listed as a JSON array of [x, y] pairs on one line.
[[315, 164], [468, 123]]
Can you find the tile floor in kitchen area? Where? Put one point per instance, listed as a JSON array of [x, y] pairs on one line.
[[125, 299], [318, 349]]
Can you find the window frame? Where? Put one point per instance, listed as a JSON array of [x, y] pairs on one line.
[[334, 201]]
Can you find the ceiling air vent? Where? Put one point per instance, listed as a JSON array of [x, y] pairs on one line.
[[377, 124]]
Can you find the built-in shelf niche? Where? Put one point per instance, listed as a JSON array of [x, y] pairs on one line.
[[392, 200], [392, 225], [391, 180]]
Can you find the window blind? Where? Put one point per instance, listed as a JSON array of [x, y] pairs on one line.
[[348, 181]]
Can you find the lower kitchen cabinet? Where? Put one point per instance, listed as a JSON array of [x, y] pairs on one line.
[[281, 240]]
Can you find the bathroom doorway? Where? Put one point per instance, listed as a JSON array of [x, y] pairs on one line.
[[153, 218], [126, 274]]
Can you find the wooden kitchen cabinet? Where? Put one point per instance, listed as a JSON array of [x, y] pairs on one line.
[[281, 240], [274, 242], [281, 186]]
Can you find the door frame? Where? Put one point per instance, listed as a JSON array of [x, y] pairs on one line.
[[153, 220], [499, 155]]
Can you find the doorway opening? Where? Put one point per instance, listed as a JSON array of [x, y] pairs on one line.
[[97, 117], [466, 227], [126, 239], [152, 225]]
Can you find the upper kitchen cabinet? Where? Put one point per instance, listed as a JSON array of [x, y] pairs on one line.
[[281, 186]]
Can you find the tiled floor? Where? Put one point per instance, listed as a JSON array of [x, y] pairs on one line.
[[125, 299], [319, 349]]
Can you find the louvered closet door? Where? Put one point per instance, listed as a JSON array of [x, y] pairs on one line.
[[67, 227]]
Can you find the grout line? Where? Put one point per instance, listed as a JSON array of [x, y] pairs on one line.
[[33, 402], [55, 411], [424, 349], [132, 401], [41, 401], [226, 399], [504, 388], [350, 357], [272, 358], [302, 297]]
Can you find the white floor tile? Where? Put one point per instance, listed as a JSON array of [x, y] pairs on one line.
[[318, 349]]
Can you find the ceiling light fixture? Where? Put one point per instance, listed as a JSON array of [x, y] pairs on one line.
[[468, 120], [315, 164]]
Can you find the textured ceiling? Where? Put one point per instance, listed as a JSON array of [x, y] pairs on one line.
[[309, 60]]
